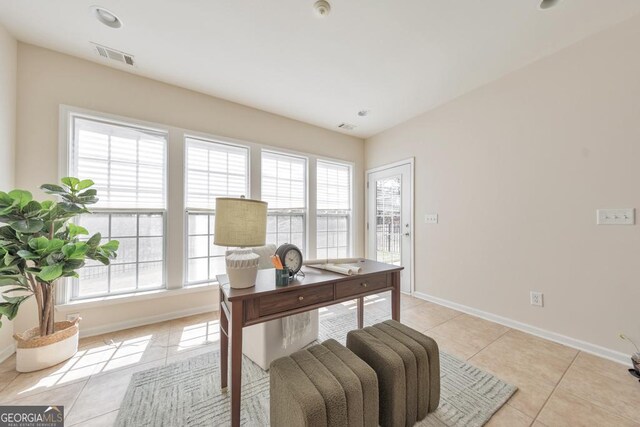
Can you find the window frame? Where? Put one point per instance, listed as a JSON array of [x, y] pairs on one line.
[[175, 218], [75, 282], [305, 212], [67, 166], [327, 214], [200, 211]]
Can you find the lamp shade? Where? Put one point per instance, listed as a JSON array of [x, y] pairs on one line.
[[240, 222]]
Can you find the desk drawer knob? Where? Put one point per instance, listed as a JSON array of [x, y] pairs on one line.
[[364, 285], [300, 298]]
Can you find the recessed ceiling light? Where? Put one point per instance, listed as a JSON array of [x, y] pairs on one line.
[[106, 17], [322, 8], [548, 4], [363, 113]]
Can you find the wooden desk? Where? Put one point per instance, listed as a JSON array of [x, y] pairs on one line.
[[265, 301]]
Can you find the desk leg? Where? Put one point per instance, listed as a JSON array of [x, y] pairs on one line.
[[224, 345], [360, 309], [395, 296], [236, 360]]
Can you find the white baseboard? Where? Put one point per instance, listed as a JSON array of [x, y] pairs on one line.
[[141, 321], [6, 352], [597, 350]]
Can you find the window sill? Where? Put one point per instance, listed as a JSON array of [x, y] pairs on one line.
[[74, 306]]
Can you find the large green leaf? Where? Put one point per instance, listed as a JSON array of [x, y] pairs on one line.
[[32, 209], [8, 258], [8, 309], [8, 281], [94, 240], [53, 189], [76, 230], [79, 251], [50, 273], [70, 181], [47, 204], [25, 254], [27, 226], [5, 199], [111, 245], [54, 245], [39, 244], [21, 197], [85, 183], [72, 264]]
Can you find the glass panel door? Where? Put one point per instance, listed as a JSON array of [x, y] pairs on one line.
[[389, 219]]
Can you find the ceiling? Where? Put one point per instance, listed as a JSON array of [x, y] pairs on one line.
[[394, 58]]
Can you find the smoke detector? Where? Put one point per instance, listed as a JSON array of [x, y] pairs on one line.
[[322, 8], [113, 55], [346, 126], [105, 16], [548, 4]]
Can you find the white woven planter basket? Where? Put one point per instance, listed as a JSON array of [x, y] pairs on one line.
[[34, 352]]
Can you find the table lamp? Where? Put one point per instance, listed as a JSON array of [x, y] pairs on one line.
[[241, 223]]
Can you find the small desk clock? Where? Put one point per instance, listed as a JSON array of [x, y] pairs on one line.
[[291, 258]]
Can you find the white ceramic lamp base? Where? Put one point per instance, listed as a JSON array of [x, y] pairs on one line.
[[242, 268]]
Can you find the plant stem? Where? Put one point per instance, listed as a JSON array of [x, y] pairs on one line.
[[37, 291], [47, 309]]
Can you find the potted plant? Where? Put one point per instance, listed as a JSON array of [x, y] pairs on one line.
[[635, 357], [39, 248]]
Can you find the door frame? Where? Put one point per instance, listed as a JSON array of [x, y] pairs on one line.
[[412, 216]]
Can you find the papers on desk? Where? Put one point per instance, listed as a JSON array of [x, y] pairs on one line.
[[346, 269]]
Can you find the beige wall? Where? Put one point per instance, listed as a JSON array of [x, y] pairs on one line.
[[516, 171], [8, 58], [47, 79]]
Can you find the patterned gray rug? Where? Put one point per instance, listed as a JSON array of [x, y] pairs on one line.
[[187, 393]]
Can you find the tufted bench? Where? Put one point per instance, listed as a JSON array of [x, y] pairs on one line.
[[407, 364], [323, 385]]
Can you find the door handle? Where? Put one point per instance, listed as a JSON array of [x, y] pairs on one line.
[[407, 234]]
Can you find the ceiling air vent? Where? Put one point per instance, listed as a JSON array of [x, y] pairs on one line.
[[114, 55], [346, 126]]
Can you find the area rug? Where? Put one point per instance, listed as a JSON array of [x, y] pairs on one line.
[[187, 393]]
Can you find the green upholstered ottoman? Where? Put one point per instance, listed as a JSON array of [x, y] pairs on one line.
[[323, 385], [408, 367]]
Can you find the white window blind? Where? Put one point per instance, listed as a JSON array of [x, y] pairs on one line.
[[284, 179], [334, 186], [334, 209], [126, 163], [212, 170]]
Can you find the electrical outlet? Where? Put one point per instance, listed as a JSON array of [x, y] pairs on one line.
[[536, 299], [616, 216], [431, 218]]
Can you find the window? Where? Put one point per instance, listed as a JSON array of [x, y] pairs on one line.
[[284, 188], [212, 170], [127, 164], [334, 210]]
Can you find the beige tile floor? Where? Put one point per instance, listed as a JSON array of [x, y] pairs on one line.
[[553, 389]]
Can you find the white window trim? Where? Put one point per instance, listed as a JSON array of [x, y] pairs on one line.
[[72, 282], [64, 294], [306, 218], [175, 268], [351, 233], [215, 140]]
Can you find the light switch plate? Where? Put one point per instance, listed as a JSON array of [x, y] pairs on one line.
[[616, 216], [431, 218]]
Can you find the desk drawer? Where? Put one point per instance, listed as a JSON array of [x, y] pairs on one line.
[[365, 284], [291, 300]]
